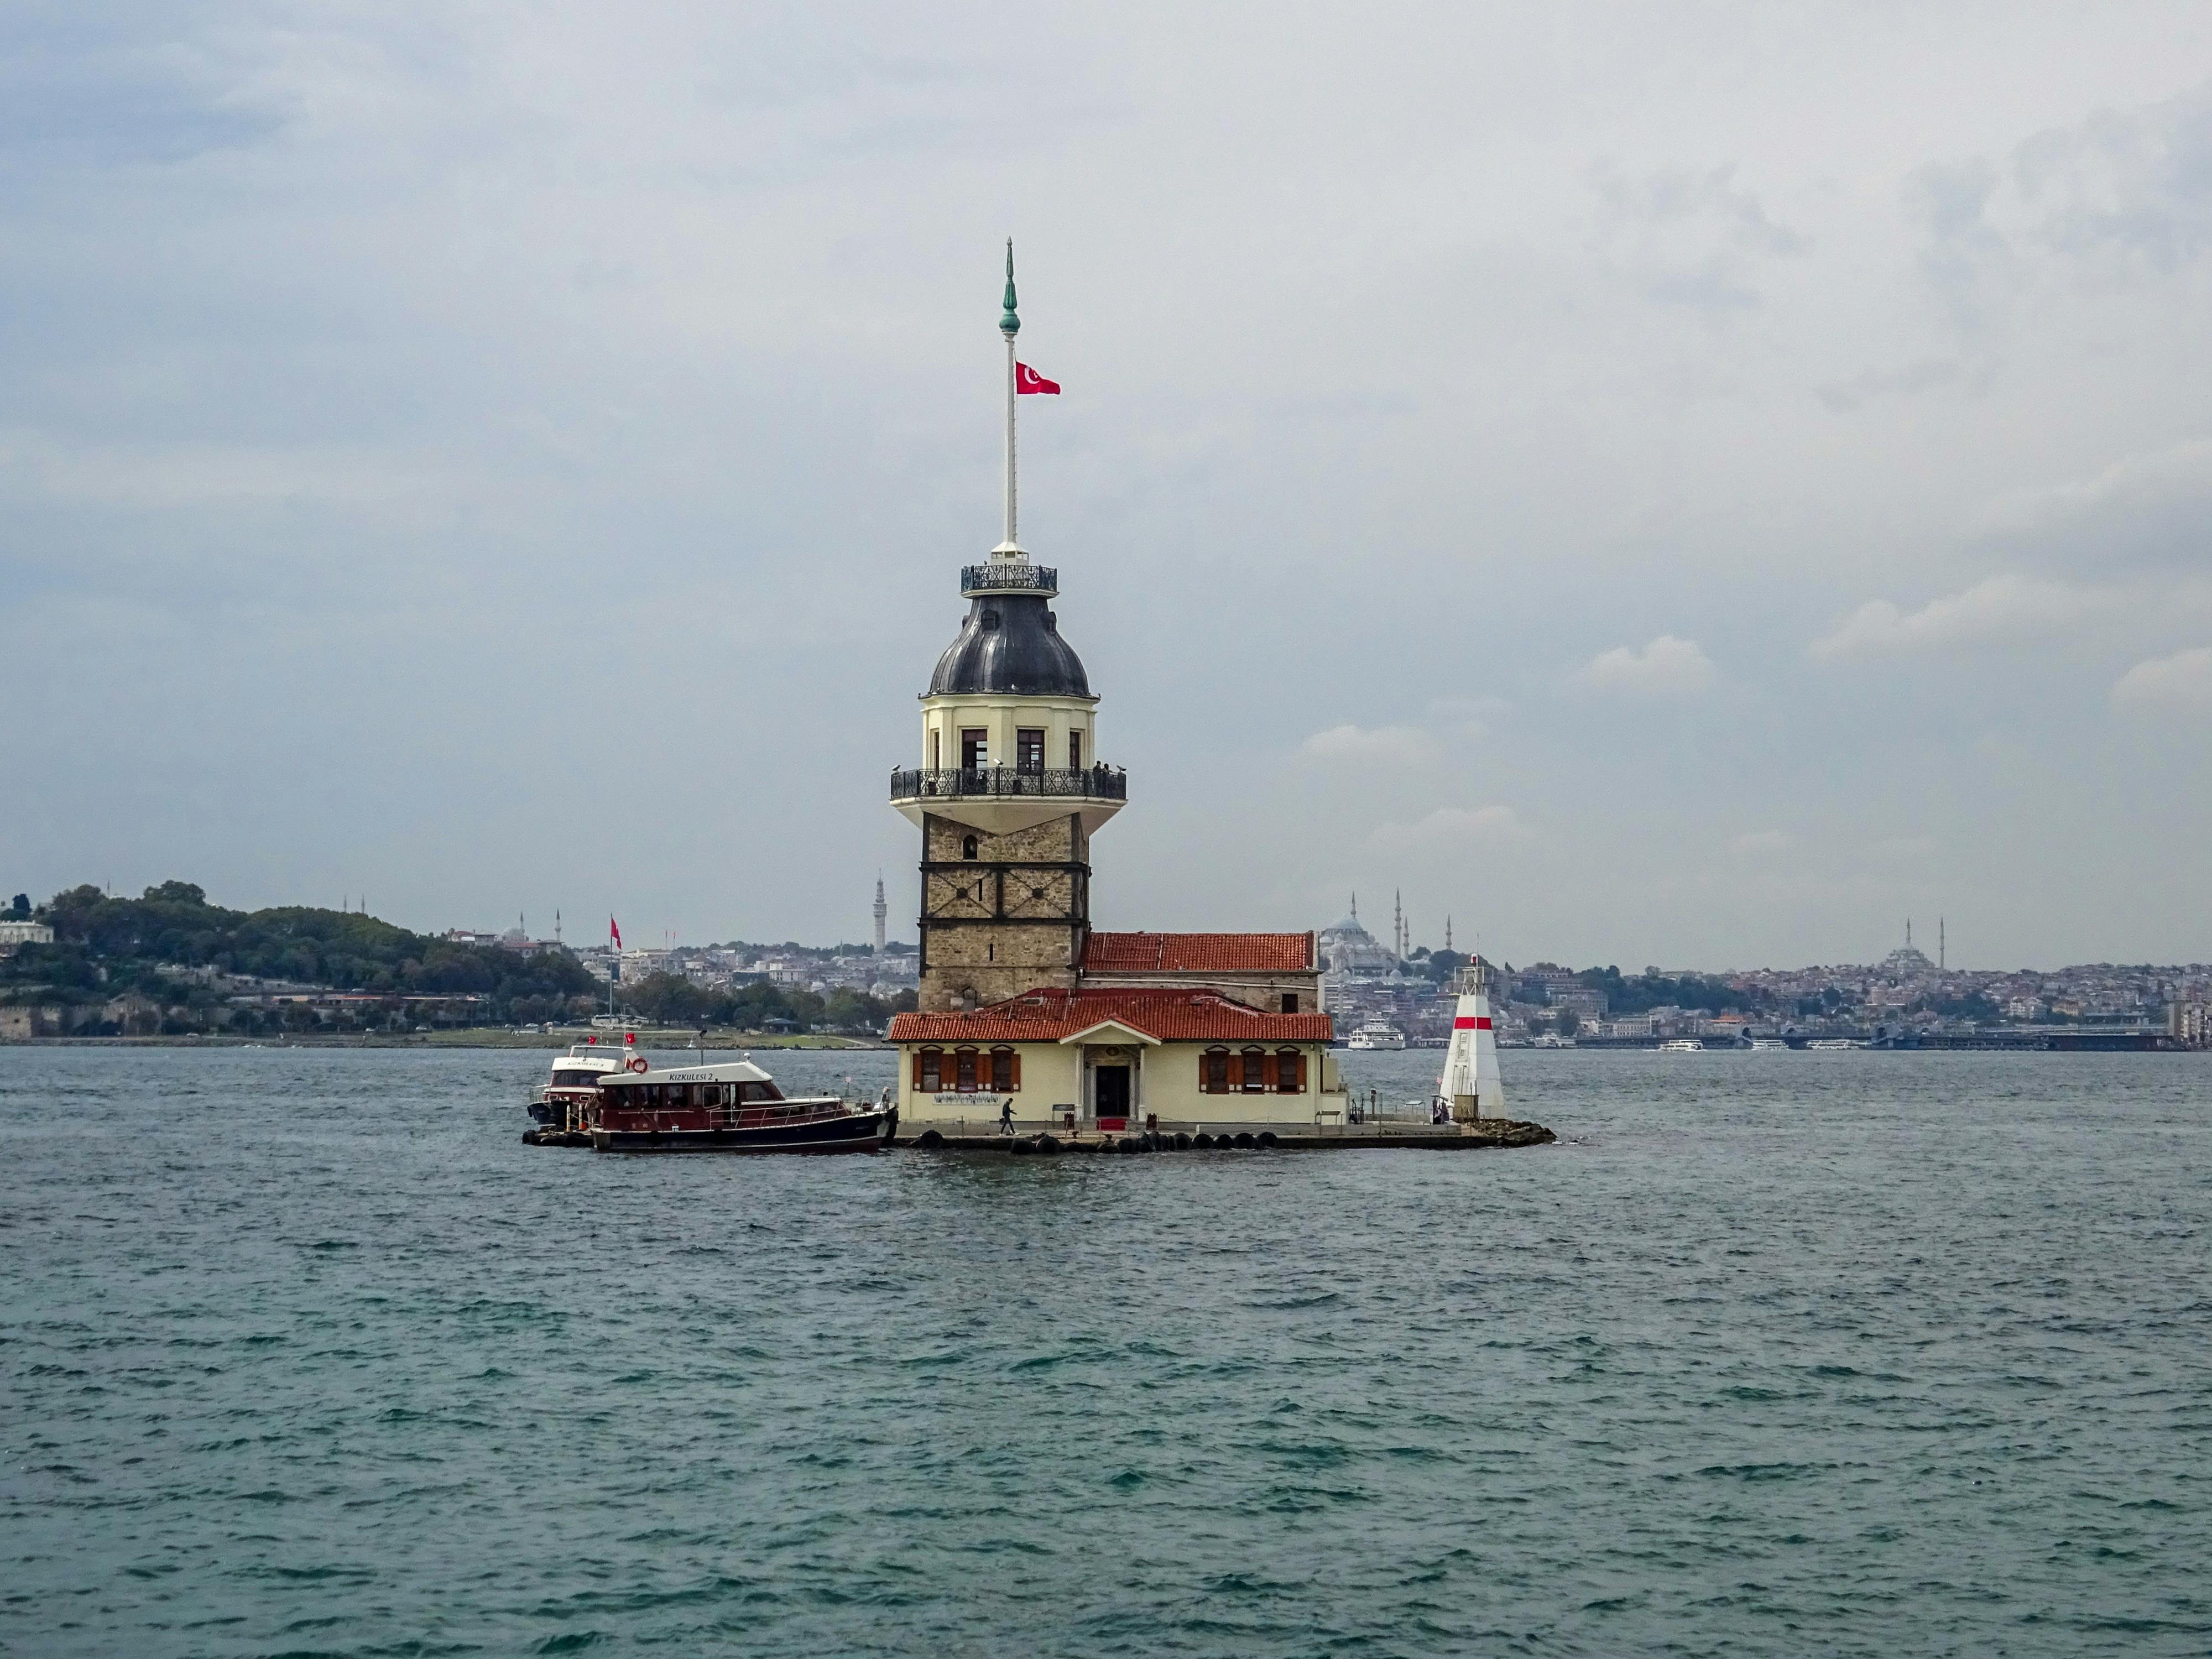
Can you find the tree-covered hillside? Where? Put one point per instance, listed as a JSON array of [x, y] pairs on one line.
[[106, 948]]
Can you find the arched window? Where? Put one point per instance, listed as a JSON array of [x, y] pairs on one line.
[[967, 846], [964, 1070], [929, 1070], [1255, 1071], [1286, 1072], [1213, 1072], [1006, 1072]]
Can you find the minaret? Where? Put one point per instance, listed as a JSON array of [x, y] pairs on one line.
[[1448, 943], [1398, 923], [1942, 945], [882, 912], [1010, 789]]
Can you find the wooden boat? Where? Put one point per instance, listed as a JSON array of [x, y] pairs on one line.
[[733, 1107]]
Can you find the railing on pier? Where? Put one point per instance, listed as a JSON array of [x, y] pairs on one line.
[[999, 783]]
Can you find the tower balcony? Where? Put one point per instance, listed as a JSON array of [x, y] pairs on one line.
[[1009, 576], [998, 800]]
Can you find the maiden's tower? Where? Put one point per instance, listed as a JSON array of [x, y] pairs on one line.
[[1025, 1011]]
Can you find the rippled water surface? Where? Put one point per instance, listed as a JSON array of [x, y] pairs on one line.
[[305, 1352]]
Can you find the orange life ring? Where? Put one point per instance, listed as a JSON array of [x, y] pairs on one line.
[[638, 1063]]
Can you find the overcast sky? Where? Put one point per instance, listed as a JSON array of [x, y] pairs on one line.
[[1688, 485]]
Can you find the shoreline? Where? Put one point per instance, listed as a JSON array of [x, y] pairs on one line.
[[664, 1041]]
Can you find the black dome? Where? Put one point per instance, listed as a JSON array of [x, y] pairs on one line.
[[1010, 643]]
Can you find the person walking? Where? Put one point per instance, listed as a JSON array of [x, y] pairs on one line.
[[1006, 1117]]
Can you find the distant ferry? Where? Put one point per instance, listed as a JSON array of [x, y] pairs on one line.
[[1836, 1043], [1681, 1046], [1769, 1045], [1377, 1034]]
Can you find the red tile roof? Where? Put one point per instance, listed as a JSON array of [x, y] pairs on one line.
[[1199, 953], [1171, 1015]]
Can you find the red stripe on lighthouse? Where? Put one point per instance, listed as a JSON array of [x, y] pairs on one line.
[[1478, 1022]]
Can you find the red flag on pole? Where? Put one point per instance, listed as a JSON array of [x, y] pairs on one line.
[[1028, 380], [615, 930]]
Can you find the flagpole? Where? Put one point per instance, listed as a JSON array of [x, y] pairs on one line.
[[1009, 325]]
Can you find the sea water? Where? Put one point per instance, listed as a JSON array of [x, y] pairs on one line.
[[305, 1352]]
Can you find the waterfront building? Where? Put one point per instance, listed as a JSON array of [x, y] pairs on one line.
[[1022, 1007]]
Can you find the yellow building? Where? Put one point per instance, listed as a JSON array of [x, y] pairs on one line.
[[1025, 1011]]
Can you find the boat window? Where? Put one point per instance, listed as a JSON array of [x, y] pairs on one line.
[[1213, 1072], [1075, 751], [1002, 1070], [1286, 1072], [930, 1070], [963, 1061], [1256, 1068], [756, 1093], [1028, 749]]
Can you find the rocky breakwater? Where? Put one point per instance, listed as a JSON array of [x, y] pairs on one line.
[[1503, 1131]]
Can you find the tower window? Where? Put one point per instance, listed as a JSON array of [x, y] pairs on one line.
[[1029, 749], [935, 760], [1290, 1002], [990, 621], [964, 1069], [1002, 1070], [1286, 1072], [967, 846], [1213, 1072], [974, 748], [1075, 751], [929, 1071]]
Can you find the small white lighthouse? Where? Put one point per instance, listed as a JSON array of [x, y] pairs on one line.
[[1471, 1085]]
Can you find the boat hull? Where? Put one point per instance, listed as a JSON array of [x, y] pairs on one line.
[[857, 1132]]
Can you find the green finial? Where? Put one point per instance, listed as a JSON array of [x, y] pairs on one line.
[[1010, 324]]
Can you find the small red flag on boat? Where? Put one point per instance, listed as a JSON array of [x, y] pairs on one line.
[[630, 1037], [1028, 380], [615, 930]]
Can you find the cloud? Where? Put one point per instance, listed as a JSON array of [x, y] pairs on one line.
[[1450, 827], [2003, 607], [1372, 746], [1759, 842], [1665, 668], [2181, 682], [1896, 849]]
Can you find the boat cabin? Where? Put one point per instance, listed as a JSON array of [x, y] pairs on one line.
[[730, 1095]]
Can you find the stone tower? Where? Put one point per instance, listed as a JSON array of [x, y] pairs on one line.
[[1010, 789]]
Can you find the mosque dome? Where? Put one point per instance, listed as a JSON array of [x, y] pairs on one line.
[[1010, 645]]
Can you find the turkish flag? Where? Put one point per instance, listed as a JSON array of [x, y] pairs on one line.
[[1028, 380], [615, 930]]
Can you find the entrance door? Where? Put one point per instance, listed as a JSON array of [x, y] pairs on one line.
[[1110, 1086]]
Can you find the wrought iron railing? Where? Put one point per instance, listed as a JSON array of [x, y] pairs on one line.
[[1092, 783], [1016, 574]]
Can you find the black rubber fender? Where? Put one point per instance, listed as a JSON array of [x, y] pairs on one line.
[[1203, 1141], [1049, 1145], [1181, 1141], [1021, 1146], [929, 1139], [1267, 1138], [1244, 1140]]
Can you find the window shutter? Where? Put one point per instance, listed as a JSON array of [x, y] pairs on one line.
[[1302, 1074], [1236, 1072], [1017, 1068], [1267, 1072], [917, 1068]]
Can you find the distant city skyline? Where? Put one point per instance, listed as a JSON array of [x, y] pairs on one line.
[[1645, 490]]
